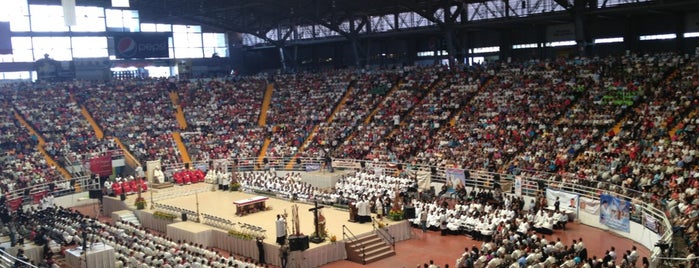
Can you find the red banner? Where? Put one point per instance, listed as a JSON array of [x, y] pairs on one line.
[[36, 197], [14, 204], [101, 165]]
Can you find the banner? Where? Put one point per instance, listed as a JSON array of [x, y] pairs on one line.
[[568, 201], [5, 40], [141, 45], [589, 205], [101, 165], [345, 164], [650, 223], [614, 212], [312, 167], [455, 177], [69, 17], [518, 186]]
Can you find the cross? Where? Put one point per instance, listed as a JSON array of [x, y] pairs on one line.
[[315, 210]]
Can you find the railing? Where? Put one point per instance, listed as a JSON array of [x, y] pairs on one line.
[[383, 233], [353, 238], [9, 261], [61, 188], [477, 178]]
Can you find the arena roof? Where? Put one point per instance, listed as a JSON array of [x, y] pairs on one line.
[[259, 16]]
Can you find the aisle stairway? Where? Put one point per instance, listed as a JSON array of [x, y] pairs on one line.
[[130, 159], [263, 150], [180, 146], [40, 147], [98, 131], [266, 101], [331, 117], [375, 248]]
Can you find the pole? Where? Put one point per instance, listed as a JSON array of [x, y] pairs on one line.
[[197, 197]]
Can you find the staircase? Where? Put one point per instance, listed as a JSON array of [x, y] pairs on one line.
[[265, 105], [373, 247], [127, 216], [180, 146]]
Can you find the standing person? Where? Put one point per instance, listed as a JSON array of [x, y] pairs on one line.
[[423, 219], [379, 207], [281, 230], [284, 254], [261, 250]]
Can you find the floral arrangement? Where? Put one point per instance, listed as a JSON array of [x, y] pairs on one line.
[[395, 214], [164, 216], [140, 203], [382, 224], [235, 186], [333, 238], [241, 235]]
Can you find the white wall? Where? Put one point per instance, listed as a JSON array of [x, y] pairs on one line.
[[637, 232]]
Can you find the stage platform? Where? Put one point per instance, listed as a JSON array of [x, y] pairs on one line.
[[220, 204]]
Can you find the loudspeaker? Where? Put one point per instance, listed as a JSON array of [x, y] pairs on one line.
[[186, 165], [409, 213], [297, 243], [95, 194], [184, 216], [122, 196]]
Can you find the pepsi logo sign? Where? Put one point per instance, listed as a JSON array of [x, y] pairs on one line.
[[127, 46]]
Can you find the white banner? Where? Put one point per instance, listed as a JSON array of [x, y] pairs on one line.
[[424, 179], [567, 201], [69, 17], [518, 186], [589, 205], [345, 164]]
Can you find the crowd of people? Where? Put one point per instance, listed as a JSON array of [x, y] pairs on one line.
[[222, 116], [622, 123]]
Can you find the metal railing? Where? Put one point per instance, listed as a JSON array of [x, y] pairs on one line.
[[9, 261], [353, 238], [383, 233]]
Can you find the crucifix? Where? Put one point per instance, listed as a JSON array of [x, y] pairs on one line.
[[316, 238]]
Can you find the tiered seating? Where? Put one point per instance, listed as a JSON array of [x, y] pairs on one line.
[[22, 164], [140, 113], [614, 157], [415, 84], [369, 87], [69, 137], [300, 102], [223, 117], [429, 117], [189, 176]]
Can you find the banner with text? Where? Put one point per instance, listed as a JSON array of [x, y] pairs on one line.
[[141, 45], [518, 186], [101, 165], [614, 212]]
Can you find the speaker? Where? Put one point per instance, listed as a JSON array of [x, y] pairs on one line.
[[95, 194], [184, 216], [122, 196], [297, 243], [409, 213]]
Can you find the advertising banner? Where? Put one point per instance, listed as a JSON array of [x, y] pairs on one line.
[[589, 205], [614, 212], [101, 165], [567, 201], [141, 45]]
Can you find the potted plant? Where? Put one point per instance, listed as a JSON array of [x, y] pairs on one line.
[[164, 216], [235, 186], [140, 203], [395, 214], [333, 238]]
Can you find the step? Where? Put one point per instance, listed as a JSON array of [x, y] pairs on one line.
[[369, 247], [372, 240], [381, 256]]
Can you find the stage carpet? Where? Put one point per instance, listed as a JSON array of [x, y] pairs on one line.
[[220, 204]]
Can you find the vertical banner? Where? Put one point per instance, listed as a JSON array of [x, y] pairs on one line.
[[455, 177], [518, 186], [614, 212], [69, 12], [5, 40]]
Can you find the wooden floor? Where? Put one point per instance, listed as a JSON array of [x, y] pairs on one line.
[[419, 250]]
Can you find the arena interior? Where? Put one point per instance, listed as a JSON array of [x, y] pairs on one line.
[[338, 133]]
